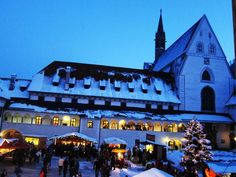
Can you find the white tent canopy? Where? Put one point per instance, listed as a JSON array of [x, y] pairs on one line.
[[114, 140], [2, 140], [153, 172], [75, 134]]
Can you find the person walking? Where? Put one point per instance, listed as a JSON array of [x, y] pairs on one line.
[[113, 162], [60, 165], [65, 166], [18, 171], [42, 173], [96, 167]]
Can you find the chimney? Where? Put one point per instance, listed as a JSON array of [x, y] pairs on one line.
[[12, 82], [68, 70]]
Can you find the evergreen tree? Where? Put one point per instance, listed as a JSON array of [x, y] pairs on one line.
[[196, 148]]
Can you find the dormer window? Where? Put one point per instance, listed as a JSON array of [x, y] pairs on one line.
[[157, 89], [117, 85], [55, 80], [200, 48], [87, 83], [23, 86], [72, 82], [131, 86], [144, 87], [102, 84]]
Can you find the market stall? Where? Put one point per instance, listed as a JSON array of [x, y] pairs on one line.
[[70, 142], [118, 147]]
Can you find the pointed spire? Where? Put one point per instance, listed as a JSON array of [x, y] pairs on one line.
[[160, 25], [160, 40]]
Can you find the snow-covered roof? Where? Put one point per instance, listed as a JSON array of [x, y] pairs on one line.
[[181, 117], [2, 140], [17, 92], [35, 135], [114, 140], [153, 172], [231, 101], [42, 83], [75, 134], [176, 49]]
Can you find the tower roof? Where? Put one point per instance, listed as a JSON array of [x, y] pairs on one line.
[[160, 25], [177, 48]]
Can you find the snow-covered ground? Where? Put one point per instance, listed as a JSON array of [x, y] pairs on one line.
[[223, 161]]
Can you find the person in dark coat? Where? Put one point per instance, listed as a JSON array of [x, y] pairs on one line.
[[113, 162], [65, 166], [96, 167]]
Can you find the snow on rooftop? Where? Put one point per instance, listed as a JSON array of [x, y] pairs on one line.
[[76, 134], [17, 92], [114, 140], [153, 172], [41, 83], [176, 49], [231, 101]]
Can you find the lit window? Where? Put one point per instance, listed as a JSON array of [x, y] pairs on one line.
[[38, 120], [66, 120], [90, 124], [72, 122], [56, 121], [170, 128], [32, 140], [114, 125], [105, 124]]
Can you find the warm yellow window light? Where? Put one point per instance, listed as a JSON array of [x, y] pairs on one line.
[[66, 118], [35, 141]]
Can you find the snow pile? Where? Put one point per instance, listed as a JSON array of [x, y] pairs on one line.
[[114, 140], [153, 172]]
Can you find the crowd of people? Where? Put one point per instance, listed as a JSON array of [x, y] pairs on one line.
[[104, 159]]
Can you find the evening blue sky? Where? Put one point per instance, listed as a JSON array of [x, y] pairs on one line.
[[33, 33]]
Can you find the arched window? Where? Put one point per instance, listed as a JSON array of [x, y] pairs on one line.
[[208, 99], [206, 76], [105, 124], [55, 121], [199, 48]]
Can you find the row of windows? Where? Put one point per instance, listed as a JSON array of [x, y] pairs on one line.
[[140, 126], [46, 120], [211, 48], [105, 124]]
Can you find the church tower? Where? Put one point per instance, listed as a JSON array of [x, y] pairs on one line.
[[160, 40]]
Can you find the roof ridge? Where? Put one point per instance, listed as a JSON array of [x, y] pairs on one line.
[[161, 64]]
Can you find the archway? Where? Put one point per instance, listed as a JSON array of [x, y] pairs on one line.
[[208, 99]]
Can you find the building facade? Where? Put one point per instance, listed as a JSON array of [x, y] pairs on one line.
[[189, 80]]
